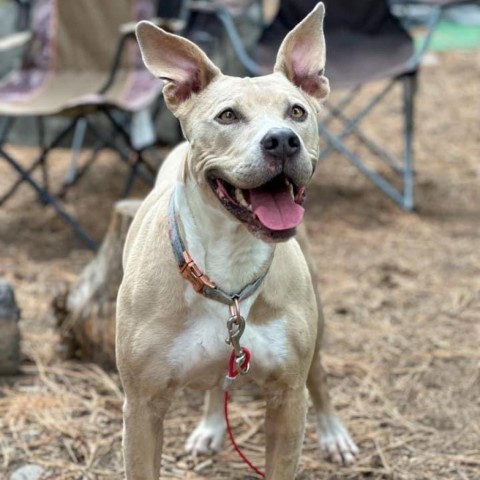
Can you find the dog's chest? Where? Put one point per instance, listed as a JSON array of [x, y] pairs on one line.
[[199, 355]]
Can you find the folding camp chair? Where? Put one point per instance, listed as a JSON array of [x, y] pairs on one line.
[[81, 64], [365, 43]]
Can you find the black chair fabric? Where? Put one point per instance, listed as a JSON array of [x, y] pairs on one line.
[[365, 42]]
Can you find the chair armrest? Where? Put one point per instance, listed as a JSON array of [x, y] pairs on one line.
[[127, 32], [14, 40], [234, 8], [126, 35], [202, 6]]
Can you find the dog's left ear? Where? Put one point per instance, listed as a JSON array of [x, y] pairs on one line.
[[301, 57], [183, 66]]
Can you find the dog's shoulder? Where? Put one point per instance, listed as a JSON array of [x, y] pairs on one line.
[[150, 222], [147, 227]]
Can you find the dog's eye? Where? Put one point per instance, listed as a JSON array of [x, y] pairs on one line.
[[227, 116], [297, 112]]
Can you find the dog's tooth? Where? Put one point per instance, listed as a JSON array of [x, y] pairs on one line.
[[289, 185], [238, 195], [240, 198], [290, 189]]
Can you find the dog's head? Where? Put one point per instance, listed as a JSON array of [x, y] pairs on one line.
[[254, 141]]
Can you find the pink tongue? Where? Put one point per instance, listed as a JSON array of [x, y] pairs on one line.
[[275, 208]]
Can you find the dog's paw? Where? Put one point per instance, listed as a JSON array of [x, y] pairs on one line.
[[335, 440], [207, 437]]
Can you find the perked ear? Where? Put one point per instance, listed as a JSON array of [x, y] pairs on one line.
[[301, 57], [180, 63]]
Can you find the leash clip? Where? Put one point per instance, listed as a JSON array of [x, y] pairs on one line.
[[239, 362], [236, 327]]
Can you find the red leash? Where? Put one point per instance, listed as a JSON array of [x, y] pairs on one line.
[[232, 374]]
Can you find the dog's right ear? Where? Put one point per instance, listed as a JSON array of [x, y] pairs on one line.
[[180, 63], [301, 57]]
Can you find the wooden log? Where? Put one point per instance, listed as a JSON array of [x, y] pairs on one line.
[[86, 314], [9, 332]]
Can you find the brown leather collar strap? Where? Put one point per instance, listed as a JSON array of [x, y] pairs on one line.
[[194, 275]]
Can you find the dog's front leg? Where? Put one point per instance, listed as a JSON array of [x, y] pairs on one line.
[[284, 430], [208, 436], [143, 437], [332, 435]]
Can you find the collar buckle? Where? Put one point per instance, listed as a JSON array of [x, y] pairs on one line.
[[194, 275]]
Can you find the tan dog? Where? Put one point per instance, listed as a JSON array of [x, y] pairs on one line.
[[234, 192]]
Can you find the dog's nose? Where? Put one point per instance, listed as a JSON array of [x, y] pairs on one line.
[[281, 142]]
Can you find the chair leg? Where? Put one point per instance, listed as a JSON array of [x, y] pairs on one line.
[[380, 152], [5, 128], [409, 87], [36, 164], [42, 160], [135, 172], [48, 199], [351, 125], [131, 178], [376, 178], [343, 103], [404, 196], [140, 161], [80, 172], [77, 144], [103, 141], [108, 141], [25, 175]]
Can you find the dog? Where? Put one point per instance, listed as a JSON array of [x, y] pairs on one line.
[[215, 243]]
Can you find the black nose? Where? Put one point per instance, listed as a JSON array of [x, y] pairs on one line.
[[281, 142]]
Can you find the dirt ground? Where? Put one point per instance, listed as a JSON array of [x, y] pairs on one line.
[[401, 294]]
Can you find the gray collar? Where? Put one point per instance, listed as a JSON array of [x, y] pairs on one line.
[[190, 271]]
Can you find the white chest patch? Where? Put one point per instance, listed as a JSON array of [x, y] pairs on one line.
[[232, 258], [199, 355]]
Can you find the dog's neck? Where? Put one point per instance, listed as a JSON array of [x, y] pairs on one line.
[[221, 246]]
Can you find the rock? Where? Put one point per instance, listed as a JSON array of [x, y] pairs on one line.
[[27, 472], [9, 333]]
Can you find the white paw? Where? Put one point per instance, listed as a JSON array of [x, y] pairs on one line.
[[207, 437], [335, 440]]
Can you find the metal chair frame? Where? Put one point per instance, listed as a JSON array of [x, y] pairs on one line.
[[81, 123], [42, 188], [403, 167]]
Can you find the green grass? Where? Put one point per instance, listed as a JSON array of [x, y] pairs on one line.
[[452, 36]]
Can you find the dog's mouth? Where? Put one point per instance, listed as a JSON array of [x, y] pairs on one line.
[[272, 211]]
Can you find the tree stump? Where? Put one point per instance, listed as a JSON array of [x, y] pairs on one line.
[[86, 314], [9, 332]]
